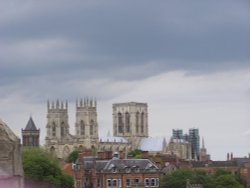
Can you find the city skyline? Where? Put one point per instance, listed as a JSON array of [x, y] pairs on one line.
[[189, 61]]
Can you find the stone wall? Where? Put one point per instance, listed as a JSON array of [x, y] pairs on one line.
[[11, 171]]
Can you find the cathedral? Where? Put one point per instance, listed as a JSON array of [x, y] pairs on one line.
[[130, 126]]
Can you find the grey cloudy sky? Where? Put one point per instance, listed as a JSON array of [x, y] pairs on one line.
[[189, 60]]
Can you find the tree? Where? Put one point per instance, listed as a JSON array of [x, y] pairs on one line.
[[227, 181], [40, 166], [176, 179], [72, 156], [221, 179], [135, 153]]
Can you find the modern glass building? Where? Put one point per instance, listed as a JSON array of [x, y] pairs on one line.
[[194, 139], [177, 134]]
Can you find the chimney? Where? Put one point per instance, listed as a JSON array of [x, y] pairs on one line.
[[121, 153], [232, 157], [249, 155], [145, 155], [227, 156]]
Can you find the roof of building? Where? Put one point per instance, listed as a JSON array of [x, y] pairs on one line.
[[119, 165], [198, 164], [30, 125], [113, 139], [152, 144], [241, 160], [123, 164]]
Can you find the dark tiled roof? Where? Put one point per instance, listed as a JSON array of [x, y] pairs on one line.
[[242, 161], [119, 164], [197, 164], [30, 125], [131, 164]]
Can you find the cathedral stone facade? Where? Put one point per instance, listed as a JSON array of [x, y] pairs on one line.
[[130, 125], [130, 120], [59, 140]]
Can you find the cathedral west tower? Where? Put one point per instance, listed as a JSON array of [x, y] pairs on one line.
[[86, 122]]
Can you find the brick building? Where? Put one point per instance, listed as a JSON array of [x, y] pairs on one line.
[[116, 172]]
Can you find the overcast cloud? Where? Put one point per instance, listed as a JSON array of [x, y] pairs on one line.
[[189, 60]]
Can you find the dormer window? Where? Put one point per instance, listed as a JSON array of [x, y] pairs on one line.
[[127, 170], [136, 169], [114, 169]]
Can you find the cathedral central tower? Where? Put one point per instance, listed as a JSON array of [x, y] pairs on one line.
[[130, 120]]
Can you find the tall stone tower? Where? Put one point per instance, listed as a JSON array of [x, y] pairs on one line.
[[86, 125], [57, 118], [58, 140], [30, 134], [130, 120]]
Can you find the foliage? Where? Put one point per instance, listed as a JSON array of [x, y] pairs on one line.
[[135, 153], [227, 181], [221, 179], [41, 166], [72, 157], [176, 179]]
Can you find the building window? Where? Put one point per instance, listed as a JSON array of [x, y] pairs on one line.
[[136, 181], [119, 183], [114, 183], [120, 124], [146, 182], [62, 131], [137, 122], [136, 169], [128, 183], [98, 182], [91, 128], [114, 170], [53, 129], [109, 183], [127, 169], [142, 122], [153, 183], [82, 128], [157, 182], [127, 121]]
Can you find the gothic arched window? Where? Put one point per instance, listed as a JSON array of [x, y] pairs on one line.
[[120, 124], [91, 127], [137, 122], [82, 128], [53, 129], [62, 129], [127, 122], [142, 122]]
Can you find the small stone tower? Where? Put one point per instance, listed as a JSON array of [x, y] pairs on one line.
[[86, 125], [57, 118], [30, 134], [130, 120]]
